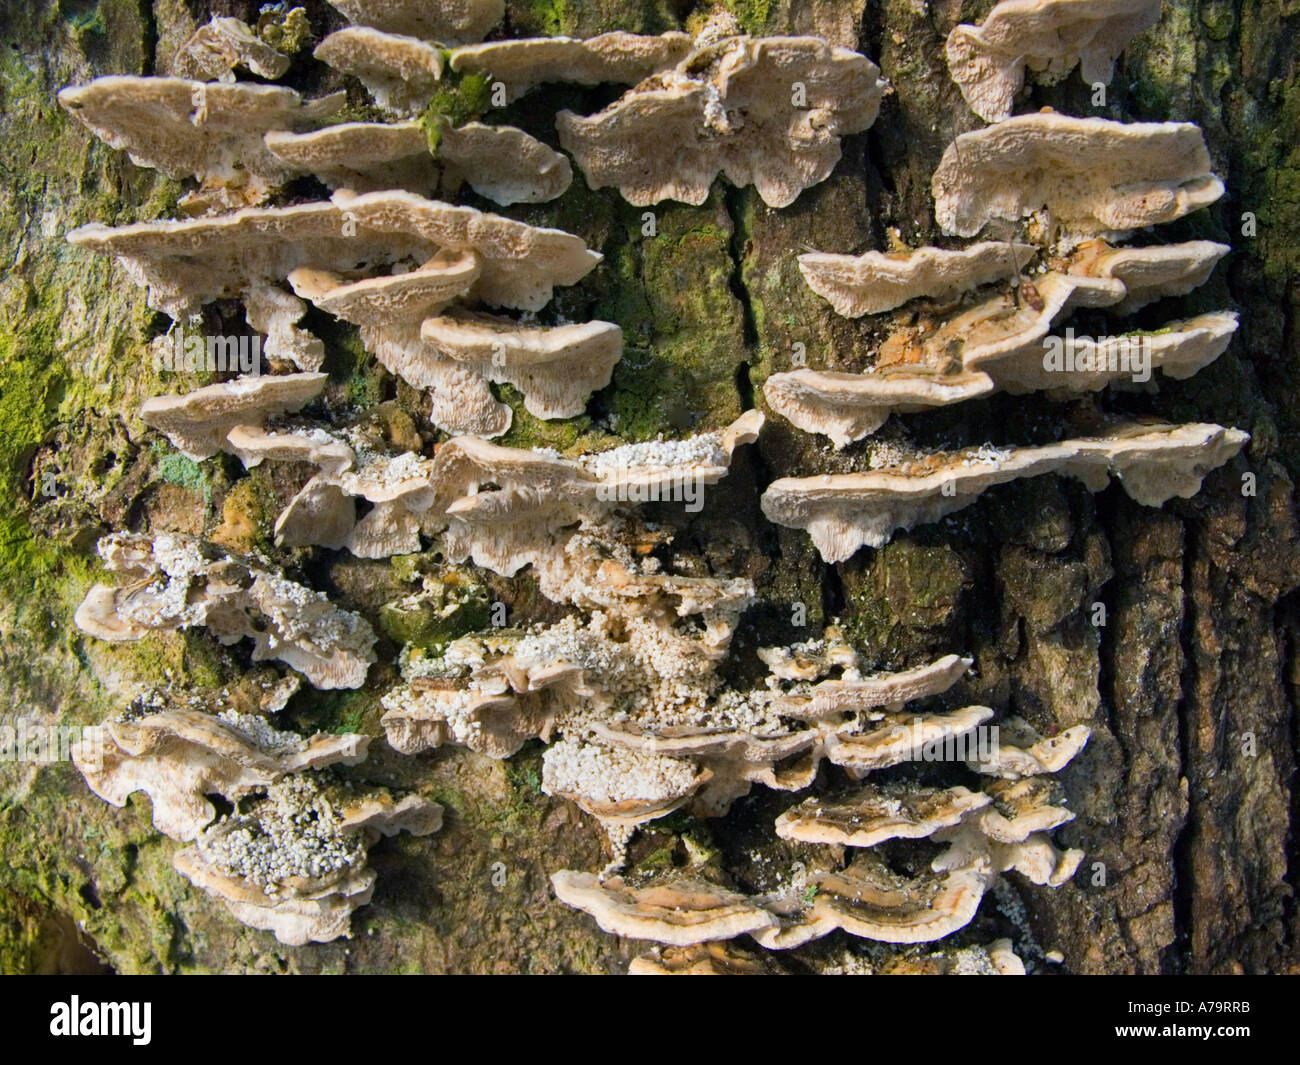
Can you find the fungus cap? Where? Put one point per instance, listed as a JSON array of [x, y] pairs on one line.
[[523, 64], [1051, 36], [1092, 176], [214, 50], [877, 281], [402, 73], [446, 21], [670, 136]]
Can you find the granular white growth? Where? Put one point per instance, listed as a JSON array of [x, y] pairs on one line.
[[415, 662], [604, 774], [175, 584], [178, 558], [985, 454], [385, 472], [565, 642], [298, 613], [264, 736], [886, 454], [693, 452], [973, 961], [292, 832], [744, 711], [850, 964]]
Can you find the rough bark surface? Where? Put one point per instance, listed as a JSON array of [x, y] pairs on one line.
[[1185, 794]]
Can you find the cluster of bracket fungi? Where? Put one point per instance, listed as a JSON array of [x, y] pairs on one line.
[[626, 689]]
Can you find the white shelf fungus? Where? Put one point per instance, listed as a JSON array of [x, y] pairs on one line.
[[175, 582], [843, 512], [720, 111], [1049, 37], [1092, 176]]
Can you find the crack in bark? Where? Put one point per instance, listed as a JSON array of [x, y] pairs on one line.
[[149, 30], [1176, 957]]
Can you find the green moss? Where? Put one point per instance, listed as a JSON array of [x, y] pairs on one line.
[[525, 777], [753, 15], [1217, 18], [88, 22], [34, 386], [660, 859], [570, 435], [441, 613], [459, 99], [903, 588], [682, 326], [522, 814], [550, 18], [340, 712], [286, 31], [178, 469]]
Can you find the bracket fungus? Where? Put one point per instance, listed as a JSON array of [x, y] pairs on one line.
[[249, 253], [321, 512], [1152, 272], [1001, 342], [717, 112], [617, 57], [539, 494], [176, 582], [983, 833], [724, 958], [556, 368], [198, 422], [360, 156], [1018, 808], [401, 490], [621, 788], [647, 727], [401, 73], [629, 677], [180, 756], [214, 50], [293, 860], [677, 911], [1022, 752], [891, 738], [211, 131], [453, 356], [1091, 176], [1064, 365], [254, 445], [499, 162], [388, 299], [701, 959], [869, 900], [1049, 37], [846, 407], [853, 690], [502, 163], [878, 281], [193, 261], [843, 512], [873, 815], [865, 899], [446, 21]]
